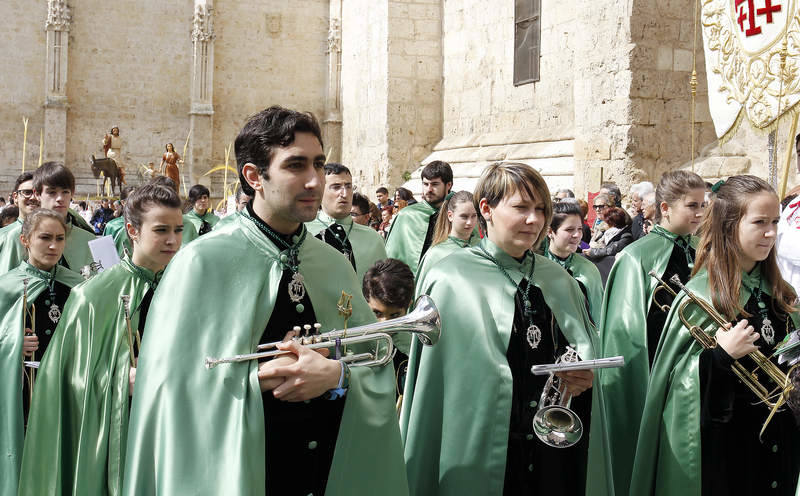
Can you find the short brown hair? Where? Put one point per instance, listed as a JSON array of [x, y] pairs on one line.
[[503, 179], [55, 175]]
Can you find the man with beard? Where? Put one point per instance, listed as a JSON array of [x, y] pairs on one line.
[[11, 250], [297, 424], [412, 228], [359, 244]]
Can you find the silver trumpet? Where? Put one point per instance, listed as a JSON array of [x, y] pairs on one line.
[[423, 321], [554, 423]]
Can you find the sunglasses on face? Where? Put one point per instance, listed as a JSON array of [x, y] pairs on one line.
[[599, 207]]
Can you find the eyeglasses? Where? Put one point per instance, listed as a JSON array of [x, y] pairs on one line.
[[599, 207], [25, 193]]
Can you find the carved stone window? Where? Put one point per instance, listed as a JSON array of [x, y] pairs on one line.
[[527, 40]]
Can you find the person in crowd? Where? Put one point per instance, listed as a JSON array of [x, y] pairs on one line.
[[78, 424], [697, 410], [638, 192], [633, 313], [403, 197], [412, 229], [360, 209], [563, 193], [54, 186], [382, 194], [386, 220], [24, 198], [560, 245], [601, 203], [32, 297], [453, 231], [237, 417], [8, 215], [530, 311], [116, 227], [102, 216], [200, 219], [587, 231], [612, 191], [361, 245], [615, 238]]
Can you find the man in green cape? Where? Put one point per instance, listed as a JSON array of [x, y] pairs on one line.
[[362, 246], [12, 325], [200, 219], [668, 453], [412, 228], [116, 227], [78, 425], [200, 431], [24, 197], [623, 331], [54, 185]]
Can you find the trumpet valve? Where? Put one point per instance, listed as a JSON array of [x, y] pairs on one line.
[[306, 328], [317, 327]]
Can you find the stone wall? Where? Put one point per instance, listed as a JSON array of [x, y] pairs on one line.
[[21, 85], [392, 87]]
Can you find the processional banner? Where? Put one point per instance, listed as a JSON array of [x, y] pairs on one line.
[[743, 41]]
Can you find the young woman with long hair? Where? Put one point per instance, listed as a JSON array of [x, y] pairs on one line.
[[455, 229], [697, 410]]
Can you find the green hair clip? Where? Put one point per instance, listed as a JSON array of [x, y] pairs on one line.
[[717, 186]]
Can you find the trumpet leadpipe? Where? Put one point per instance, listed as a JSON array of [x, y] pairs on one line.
[[599, 363]]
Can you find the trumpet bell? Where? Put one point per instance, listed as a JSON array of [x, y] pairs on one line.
[[557, 426]]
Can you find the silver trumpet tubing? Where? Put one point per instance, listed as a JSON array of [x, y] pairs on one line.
[[423, 321], [554, 423], [31, 364], [600, 363]]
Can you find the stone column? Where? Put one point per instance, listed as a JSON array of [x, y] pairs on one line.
[[201, 115], [332, 122], [57, 26]]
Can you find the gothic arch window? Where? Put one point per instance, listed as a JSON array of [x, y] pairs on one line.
[[527, 40]]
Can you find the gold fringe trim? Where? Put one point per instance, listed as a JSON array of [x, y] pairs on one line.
[[772, 126]]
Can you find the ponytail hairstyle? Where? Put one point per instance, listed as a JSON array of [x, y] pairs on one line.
[[156, 192], [719, 251], [673, 186], [443, 225]]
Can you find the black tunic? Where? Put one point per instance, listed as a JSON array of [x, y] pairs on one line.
[[45, 328], [428, 234], [532, 467], [333, 236], [734, 461], [300, 436], [656, 318]]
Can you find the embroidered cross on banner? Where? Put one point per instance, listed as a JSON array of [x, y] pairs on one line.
[[747, 12]]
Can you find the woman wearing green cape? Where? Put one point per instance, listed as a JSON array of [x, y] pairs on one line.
[[563, 238], [453, 231], [700, 431], [200, 219], [470, 400], [632, 316], [32, 297], [78, 424]]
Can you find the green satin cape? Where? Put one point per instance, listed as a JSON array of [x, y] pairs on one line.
[[586, 272], [11, 331], [11, 250], [438, 251], [368, 246], [668, 459], [623, 331], [457, 398], [78, 423], [405, 239], [198, 431], [192, 223], [116, 229]]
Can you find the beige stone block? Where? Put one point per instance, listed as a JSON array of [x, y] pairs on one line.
[[397, 9], [682, 60], [664, 58], [424, 11], [427, 29], [592, 148]]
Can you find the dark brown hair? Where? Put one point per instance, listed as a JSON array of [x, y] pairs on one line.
[[55, 175], [145, 197], [443, 225], [719, 251], [34, 218], [673, 186], [615, 217], [389, 281]]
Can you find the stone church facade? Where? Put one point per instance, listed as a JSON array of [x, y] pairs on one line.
[[395, 83]]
